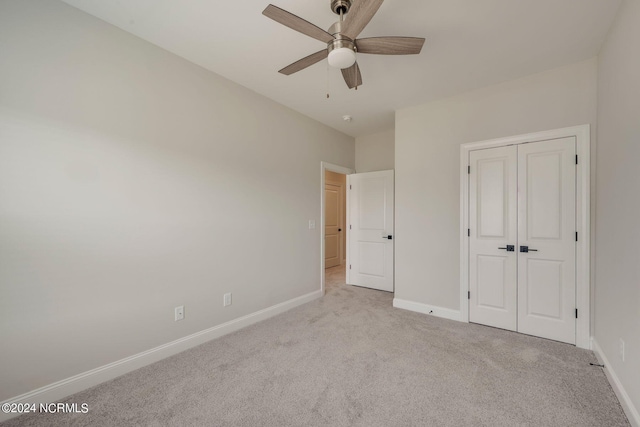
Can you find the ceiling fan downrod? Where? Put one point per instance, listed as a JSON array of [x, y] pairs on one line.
[[340, 7], [342, 49]]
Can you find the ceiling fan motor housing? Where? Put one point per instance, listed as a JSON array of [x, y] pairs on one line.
[[341, 42], [338, 6]]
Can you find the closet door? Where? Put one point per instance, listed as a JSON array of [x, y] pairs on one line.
[[493, 235], [546, 239]]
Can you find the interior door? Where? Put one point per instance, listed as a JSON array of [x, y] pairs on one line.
[[493, 237], [546, 239], [370, 242], [332, 226], [522, 225]]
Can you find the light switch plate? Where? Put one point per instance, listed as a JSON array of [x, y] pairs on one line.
[[179, 313]]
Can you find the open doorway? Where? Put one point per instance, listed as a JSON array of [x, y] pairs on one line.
[[335, 220], [368, 206], [333, 251]]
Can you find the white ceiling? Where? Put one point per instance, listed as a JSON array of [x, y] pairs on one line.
[[470, 44]]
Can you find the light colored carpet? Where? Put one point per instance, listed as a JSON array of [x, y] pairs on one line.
[[351, 359]]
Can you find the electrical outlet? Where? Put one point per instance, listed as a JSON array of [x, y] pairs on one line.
[[227, 300], [179, 312], [312, 224], [621, 349]]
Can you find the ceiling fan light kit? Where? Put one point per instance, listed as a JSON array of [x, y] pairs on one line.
[[341, 39], [342, 53]]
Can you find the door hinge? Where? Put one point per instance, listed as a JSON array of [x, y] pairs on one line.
[[576, 313], [350, 187], [349, 226], [469, 169], [576, 236], [349, 266], [576, 159], [468, 232], [469, 295]]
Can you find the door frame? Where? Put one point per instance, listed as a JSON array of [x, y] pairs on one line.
[[325, 166], [583, 219]]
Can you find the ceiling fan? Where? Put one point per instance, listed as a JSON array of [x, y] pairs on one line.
[[341, 41]]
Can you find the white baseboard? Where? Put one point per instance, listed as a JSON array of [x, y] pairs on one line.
[[61, 389], [625, 401], [445, 313]]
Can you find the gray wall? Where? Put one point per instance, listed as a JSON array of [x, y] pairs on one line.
[[131, 182], [617, 267], [375, 152], [427, 164]]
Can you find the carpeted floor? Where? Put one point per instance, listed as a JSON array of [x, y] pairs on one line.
[[349, 359]]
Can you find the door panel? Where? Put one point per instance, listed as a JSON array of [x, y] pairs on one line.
[[371, 199], [332, 214], [492, 290], [544, 293], [331, 250], [544, 195], [547, 224], [371, 221], [493, 225], [493, 196], [370, 255]]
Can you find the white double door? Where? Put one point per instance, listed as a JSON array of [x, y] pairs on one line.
[[522, 234]]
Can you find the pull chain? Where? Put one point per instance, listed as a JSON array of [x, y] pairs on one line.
[[327, 79]]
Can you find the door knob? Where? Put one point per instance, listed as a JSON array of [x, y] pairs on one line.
[[509, 248], [526, 249], [390, 237], [339, 229]]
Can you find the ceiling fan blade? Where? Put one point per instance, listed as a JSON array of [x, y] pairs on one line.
[[390, 45], [296, 23], [304, 62], [352, 76], [359, 16]]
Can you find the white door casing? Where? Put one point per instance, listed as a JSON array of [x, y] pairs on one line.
[[546, 229], [493, 234], [370, 232]]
